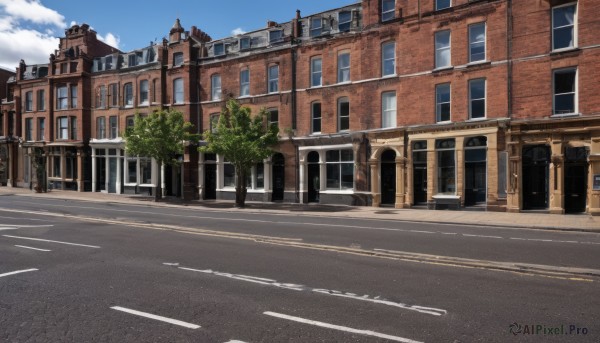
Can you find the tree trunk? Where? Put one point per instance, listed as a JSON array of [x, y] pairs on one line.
[[240, 188], [158, 188]]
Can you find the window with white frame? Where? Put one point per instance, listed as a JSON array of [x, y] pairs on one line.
[[62, 98], [343, 109], [446, 166], [132, 163], [273, 79], [130, 121], [113, 127], [215, 87], [275, 36], [29, 101], [315, 117], [144, 92], [442, 102], [100, 128], [101, 97], [442, 4], [245, 82], [476, 98], [228, 175], [145, 171], [214, 121], [343, 67], [113, 89], [273, 118], [339, 169], [344, 21], [41, 100], [73, 128], [388, 59], [388, 9], [388, 109], [565, 91], [245, 43], [41, 129], [62, 128], [442, 49], [564, 20], [316, 26], [28, 129], [128, 92], [255, 180], [178, 59], [73, 96], [316, 75], [178, 91], [477, 42], [219, 49]]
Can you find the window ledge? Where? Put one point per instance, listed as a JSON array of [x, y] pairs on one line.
[[445, 196], [564, 51], [444, 122], [441, 69], [476, 119], [566, 115], [478, 63], [146, 185], [389, 76], [315, 87], [334, 191]]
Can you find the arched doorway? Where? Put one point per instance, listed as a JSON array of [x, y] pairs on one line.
[[314, 183], [576, 174], [536, 161], [278, 176], [388, 177], [475, 170]]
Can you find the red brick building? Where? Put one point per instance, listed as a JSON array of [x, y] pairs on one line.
[[486, 105]]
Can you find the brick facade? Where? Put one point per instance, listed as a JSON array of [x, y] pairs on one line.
[[417, 106]]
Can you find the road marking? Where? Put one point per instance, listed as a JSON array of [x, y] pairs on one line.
[[155, 317], [421, 231], [340, 328], [483, 236], [235, 341], [19, 272], [296, 287], [50, 241], [8, 228], [32, 248]]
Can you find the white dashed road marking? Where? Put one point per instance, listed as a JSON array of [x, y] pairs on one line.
[[32, 248], [50, 241], [340, 328], [155, 317], [18, 272]]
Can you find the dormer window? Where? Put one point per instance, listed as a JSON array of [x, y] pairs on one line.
[[245, 43], [275, 36], [132, 60], [344, 21], [98, 64], [108, 63], [219, 49], [316, 26]]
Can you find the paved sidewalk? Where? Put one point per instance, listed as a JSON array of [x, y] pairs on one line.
[[578, 222]]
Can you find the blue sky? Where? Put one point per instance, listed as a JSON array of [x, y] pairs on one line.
[[29, 28]]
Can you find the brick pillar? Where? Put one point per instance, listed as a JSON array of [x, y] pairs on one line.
[[400, 184], [375, 183]]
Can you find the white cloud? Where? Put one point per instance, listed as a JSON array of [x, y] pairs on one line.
[[33, 11], [32, 46], [238, 31], [110, 39]]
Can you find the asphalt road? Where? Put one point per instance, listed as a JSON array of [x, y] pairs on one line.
[[125, 273]]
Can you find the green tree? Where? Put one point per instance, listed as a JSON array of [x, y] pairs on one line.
[[243, 140], [161, 135]]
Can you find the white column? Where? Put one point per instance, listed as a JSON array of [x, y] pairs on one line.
[[93, 169], [119, 172], [162, 179], [201, 175], [106, 171], [322, 173], [268, 168]]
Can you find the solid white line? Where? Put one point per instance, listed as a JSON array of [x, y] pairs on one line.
[[160, 318], [340, 328], [7, 228], [26, 247], [421, 231], [59, 242], [235, 341], [18, 272]]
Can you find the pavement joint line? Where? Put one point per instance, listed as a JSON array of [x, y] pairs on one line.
[[156, 317], [295, 242], [32, 248], [339, 327], [329, 215], [19, 272]]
